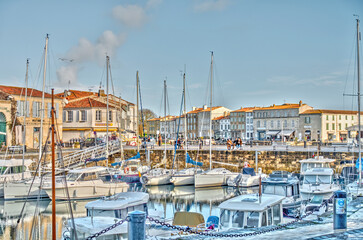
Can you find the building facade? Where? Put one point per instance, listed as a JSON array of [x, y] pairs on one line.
[[85, 115], [278, 122], [242, 123], [14, 108], [221, 127], [326, 125]]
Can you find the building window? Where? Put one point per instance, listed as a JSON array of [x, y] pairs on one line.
[[346, 126], [278, 123], [333, 126], [292, 123], [258, 123], [352, 117], [340, 117], [110, 116], [346, 117], [83, 115], [333, 117], [36, 109], [285, 123], [70, 116], [327, 126], [272, 124], [264, 123], [307, 120], [98, 115], [340, 126], [327, 117]]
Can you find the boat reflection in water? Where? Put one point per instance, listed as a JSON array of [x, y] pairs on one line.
[[164, 202]]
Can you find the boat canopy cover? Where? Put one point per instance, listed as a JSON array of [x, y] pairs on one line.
[[95, 159], [190, 219], [137, 156], [357, 164], [15, 162], [249, 171], [191, 161]]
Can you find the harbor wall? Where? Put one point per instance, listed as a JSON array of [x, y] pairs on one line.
[[267, 160]]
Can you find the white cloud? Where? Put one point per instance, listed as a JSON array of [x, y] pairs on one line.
[[153, 3], [86, 51], [211, 5], [130, 15]]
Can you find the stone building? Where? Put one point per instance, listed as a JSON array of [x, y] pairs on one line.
[[242, 123], [153, 127], [278, 122], [14, 108], [221, 127], [85, 115], [326, 125]]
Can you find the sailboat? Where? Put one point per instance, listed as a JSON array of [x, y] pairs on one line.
[[159, 176], [356, 188], [31, 188], [217, 176], [131, 169], [186, 176]]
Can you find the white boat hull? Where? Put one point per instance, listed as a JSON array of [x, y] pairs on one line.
[[19, 190], [155, 180], [87, 190], [182, 180], [212, 180], [308, 193]]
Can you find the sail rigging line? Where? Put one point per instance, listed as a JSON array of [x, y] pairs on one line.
[[113, 88], [33, 179], [177, 133], [65, 179], [142, 113]]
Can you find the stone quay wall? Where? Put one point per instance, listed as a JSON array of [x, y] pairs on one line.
[[267, 160]]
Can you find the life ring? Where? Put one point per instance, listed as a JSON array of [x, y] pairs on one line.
[[133, 144], [126, 169], [246, 165]]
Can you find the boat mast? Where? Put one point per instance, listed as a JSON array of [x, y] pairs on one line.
[[107, 111], [359, 127], [137, 111], [185, 123], [25, 112], [121, 147], [42, 108], [54, 237], [165, 121], [210, 113]]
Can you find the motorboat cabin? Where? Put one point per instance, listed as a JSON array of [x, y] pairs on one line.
[[283, 183], [318, 181], [251, 211], [316, 162]]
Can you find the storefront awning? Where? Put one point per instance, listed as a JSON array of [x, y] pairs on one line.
[[272, 132], [286, 133]]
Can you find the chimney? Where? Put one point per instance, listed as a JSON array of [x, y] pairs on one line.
[[273, 105], [101, 92], [205, 107], [193, 108], [300, 103]]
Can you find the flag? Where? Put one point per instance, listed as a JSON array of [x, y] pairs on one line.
[[190, 160]]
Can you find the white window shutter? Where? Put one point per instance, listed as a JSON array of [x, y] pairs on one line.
[[56, 110], [85, 115], [64, 116], [27, 108], [77, 116], [34, 109], [49, 110]]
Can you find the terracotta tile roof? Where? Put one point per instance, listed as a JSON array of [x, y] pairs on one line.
[[220, 118], [154, 119], [74, 94], [86, 103], [246, 109], [21, 91], [197, 110], [283, 106], [329, 111]]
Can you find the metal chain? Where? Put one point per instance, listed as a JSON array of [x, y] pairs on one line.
[[108, 229], [220, 235]]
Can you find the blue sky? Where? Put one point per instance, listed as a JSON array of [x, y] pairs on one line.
[[266, 51]]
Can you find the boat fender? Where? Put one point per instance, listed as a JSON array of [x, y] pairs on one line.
[[238, 179], [144, 179]]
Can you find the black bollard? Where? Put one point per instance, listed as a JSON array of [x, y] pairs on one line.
[[340, 210]]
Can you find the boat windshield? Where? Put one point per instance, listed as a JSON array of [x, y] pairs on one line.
[[310, 179], [72, 176], [275, 190], [316, 199], [3, 170]]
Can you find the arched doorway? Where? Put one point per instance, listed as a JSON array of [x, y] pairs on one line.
[[2, 129]]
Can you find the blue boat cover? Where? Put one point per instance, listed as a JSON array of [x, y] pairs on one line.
[[134, 157], [95, 159], [249, 171], [190, 160], [357, 164]]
